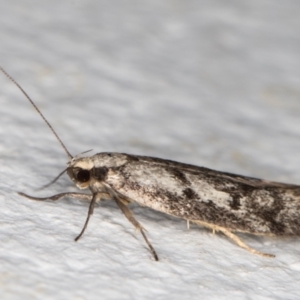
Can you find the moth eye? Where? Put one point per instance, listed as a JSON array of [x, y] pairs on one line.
[[83, 176]]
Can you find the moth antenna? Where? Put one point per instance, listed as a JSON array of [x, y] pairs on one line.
[[52, 181], [39, 112]]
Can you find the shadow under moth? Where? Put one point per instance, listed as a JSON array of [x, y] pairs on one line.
[[220, 201]]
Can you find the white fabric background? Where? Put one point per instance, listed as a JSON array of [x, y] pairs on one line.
[[212, 83]]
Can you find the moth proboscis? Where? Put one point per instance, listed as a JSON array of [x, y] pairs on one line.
[[216, 200]]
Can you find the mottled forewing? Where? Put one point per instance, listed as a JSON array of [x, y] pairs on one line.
[[199, 194]]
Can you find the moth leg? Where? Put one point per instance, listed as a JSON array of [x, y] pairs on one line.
[[128, 214], [59, 196], [124, 201], [213, 230], [240, 243], [90, 212]]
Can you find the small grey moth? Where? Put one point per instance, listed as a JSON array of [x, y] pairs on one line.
[[220, 201]]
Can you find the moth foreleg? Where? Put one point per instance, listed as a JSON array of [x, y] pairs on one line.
[[188, 224], [240, 243], [59, 196], [129, 215], [90, 212]]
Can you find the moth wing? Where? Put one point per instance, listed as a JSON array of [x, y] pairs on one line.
[[192, 169]]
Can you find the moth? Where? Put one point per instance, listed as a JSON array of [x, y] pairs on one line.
[[220, 201]]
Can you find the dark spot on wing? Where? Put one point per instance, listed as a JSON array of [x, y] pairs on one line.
[[178, 175], [131, 158], [235, 203], [270, 211], [190, 194]]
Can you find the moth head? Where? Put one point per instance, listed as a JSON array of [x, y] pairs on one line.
[[79, 171], [85, 172]]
